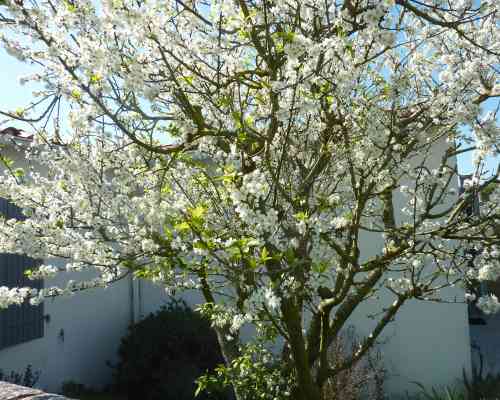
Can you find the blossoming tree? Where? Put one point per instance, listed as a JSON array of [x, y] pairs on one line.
[[245, 149]]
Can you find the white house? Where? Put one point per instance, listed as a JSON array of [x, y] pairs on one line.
[[72, 338]]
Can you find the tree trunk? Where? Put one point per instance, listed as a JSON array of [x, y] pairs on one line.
[[306, 388], [229, 350]]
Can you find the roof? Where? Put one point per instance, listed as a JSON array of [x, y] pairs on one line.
[[16, 133]]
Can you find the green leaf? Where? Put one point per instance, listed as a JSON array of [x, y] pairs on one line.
[[76, 94], [301, 216], [242, 136], [6, 161], [188, 79], [70, 7], [264, 255], [252, 263], [95, 78], [198, 212], [182, 227], [63, 185], [320, 267], [350, 49], [242, 34], [224, 101], [289, 255]]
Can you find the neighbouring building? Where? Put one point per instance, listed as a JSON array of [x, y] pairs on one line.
[[484, 328]]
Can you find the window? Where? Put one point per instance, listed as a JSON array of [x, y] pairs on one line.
[[18, 324], [476, 316]]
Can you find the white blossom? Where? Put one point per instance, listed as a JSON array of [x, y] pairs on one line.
[[488, 304]]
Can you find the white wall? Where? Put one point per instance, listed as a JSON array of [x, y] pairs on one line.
[[84, 331], [427, 342]]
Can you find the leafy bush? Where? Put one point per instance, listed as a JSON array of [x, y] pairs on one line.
[[446, 393], [74, 389], [79, 391], [481, 386], [257, 373], [28, 378], [162, 356]]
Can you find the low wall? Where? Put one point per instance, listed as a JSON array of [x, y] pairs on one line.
[[8, 391]]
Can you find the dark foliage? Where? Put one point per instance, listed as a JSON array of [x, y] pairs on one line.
[[481, 386], [162, 356], [74, 389], [28, 378]]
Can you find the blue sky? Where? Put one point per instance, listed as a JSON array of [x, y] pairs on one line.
[[14, 95]]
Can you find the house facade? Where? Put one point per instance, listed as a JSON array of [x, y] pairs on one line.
[[72, 338]]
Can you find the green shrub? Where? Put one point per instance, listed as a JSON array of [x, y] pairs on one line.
[[482, 386], [28, 378], [256, 374], [79, 391], [162, 356], [74, 389], [447, 393]]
